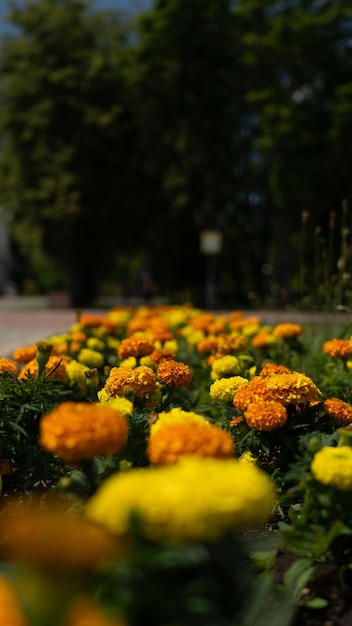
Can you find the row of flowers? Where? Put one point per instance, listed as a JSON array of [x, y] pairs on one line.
[[138, 447]]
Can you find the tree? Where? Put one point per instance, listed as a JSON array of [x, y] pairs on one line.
[[188, 102], [65, 136]]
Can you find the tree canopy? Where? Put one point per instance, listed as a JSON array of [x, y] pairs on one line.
[[130, 138]]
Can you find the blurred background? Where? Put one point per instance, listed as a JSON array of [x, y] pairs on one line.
[[177, 150]]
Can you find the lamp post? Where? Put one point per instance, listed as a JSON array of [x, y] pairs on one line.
[[210, 246]]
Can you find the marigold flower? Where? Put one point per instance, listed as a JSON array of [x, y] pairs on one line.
[[263, 339], [8, 365], [140, 381], [77, 431], [179, 433], [10, 609], [89, 320], [287, 330], [119, 403], [135, 346], [174, 374], [193, 500], [90, 358], [56, 365], [207, 345], [232, 343], [75, 374], [202, 321], [294, 388], [228, 365], [247, 394], [94, 343], [338, 348], [223, 389], [270, 369], [266, 415], [160, 354], [333, 466], [54, 539], [340, 411], [25, 354]]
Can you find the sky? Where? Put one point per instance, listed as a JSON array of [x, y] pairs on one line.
[[99, 4]]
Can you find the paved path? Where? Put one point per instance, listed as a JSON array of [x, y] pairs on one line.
[[25, 320]]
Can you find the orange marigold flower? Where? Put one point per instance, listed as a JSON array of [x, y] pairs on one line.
[[25, 354], [78, 335], [202, 321], [159, 354], [340, 411], [89, 320], [145, 381], [55, 363], [174, 374], [287, 330], [207, 345], [232, 343], [123, 380], [247, 394], [77, 431], [10, 608], [272, 368], [294, 388], [338, 348], [135, 346], [263, 339], [236, 421], [266, 415], [171, 441], [54, 539], [7, 365], [286, 388]]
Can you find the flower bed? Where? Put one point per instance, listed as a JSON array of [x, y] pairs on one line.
[[146, 452]]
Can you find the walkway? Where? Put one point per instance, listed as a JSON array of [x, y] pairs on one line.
[[25, 320]]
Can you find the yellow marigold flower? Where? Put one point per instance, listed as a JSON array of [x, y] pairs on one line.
[[56, 365], [228, 365], [90, 358], [86, 612], [193, 500], [223, 389], [77, 431], [135, 346], [266, 415], [10, 609], [94, 343], [8, 365], [112, 343], [173, 437], [75, 374], [118, 403], [287, 330], [338, 348], [174, 374], [25, 354], [54, 539], [131, 362], [193, 337], [340, 411], [250, 329], [171, 344], [333, 466], [248, 457]]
